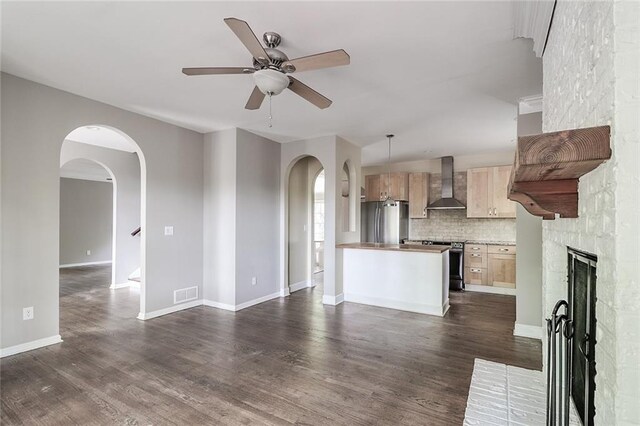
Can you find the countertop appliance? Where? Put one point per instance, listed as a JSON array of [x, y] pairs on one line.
[[456, 262], [384, 224]]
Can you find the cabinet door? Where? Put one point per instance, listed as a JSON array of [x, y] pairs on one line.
[[478, 192], [475, 276], [502, 270], [418, 194], [400, 186], [372, 188], [501, 206]]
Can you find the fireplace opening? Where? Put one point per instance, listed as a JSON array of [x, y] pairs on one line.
[[582, 321], [571, 345]]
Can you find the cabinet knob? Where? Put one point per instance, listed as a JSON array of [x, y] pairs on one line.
[[494, 211], [475, 248], [474, 270], [489, 211], [503, 249], [475, 255]]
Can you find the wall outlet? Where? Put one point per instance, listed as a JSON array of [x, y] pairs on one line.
[[254, 281], [168, 230], [27, 313], [88, 252]]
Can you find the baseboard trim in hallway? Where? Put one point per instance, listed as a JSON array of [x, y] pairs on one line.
[[171, 309], [75, 265], [29, 346], [333, 300]]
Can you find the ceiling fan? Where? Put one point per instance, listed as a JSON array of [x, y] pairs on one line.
[[271, 66]]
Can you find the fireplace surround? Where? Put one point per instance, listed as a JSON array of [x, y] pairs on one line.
[[571, 345]]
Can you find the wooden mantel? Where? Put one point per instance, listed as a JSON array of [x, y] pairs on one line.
[[544, 178]]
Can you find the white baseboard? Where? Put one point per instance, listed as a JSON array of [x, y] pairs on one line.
[[169, 310], [531, 331], [490, 289], [333, 300], [284, 292], [400, 305], [239, 307], [299, 286], [214, 304], [73, 265], [134, 284], [257, 301], [29, 346], [121, 285]]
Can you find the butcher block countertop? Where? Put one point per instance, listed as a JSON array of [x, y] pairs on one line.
[[394, 247]]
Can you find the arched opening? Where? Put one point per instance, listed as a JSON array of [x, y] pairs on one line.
[[306, 233], [101, 255]]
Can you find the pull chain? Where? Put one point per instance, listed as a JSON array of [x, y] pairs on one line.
[[270, 116]]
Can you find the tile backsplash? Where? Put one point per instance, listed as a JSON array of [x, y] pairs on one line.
[[453, 224]]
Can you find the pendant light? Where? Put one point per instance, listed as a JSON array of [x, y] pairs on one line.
[[388, 200]]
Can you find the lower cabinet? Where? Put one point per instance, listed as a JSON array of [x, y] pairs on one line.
[[490, 265]]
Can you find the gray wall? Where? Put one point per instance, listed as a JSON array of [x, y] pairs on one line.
[[299, 222], [220, 217], [86, 221], [257, 216], [35, 121], [125, 168], [528, 247], [241, 214]]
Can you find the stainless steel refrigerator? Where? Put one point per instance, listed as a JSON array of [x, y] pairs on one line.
[[384, 224]]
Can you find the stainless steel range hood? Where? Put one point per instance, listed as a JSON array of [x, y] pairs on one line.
[[446, 202]]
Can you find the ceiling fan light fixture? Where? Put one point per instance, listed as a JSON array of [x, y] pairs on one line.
[[270, 82]]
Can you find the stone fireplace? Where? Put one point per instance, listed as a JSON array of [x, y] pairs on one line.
[[590, 69]]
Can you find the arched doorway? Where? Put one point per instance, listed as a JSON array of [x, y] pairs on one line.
[[305, 213], [84, 152]]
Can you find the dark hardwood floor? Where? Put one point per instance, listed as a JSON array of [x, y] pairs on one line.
[[285, 361]]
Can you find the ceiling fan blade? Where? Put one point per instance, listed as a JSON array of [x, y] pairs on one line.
[[243, 31], [217, 70], [335, 58], [255, 100], [309, 94]]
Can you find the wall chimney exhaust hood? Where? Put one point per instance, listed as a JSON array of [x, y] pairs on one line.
[[446, 202]]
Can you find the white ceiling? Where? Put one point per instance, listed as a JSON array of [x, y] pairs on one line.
[[101, 136], [445, 77], [84, 169]]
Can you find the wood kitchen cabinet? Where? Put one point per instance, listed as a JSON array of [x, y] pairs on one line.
[[502, 270], [372, 188], [418, 195], [487, 193], [490, 265], [376, 186]]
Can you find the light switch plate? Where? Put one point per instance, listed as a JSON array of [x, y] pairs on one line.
[[168, 230], [88, 252]]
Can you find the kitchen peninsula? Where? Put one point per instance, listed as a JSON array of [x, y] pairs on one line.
[[405, 277]]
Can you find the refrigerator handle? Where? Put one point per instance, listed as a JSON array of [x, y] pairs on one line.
[[377, 224]]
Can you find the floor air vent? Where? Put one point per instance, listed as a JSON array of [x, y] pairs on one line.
[[185, 295]]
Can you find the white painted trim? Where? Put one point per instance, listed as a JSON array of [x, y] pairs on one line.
[[490, 289], [284, 292], [73, 265], [214, 304], [257, 301], [169, 310], [134, 284], [531, 331], [333, 300], [29, 346], [299, 286], [121, 285], [397, 304]]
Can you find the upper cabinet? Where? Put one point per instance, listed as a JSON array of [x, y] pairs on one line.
[[418, 195], [487, 190], [378, 186]]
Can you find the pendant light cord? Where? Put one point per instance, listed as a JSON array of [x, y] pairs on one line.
[[389, 169]]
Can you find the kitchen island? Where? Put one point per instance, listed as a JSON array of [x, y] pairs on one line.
[[411, 278]]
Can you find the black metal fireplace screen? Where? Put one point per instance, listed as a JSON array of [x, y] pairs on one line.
[[571, 367]]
